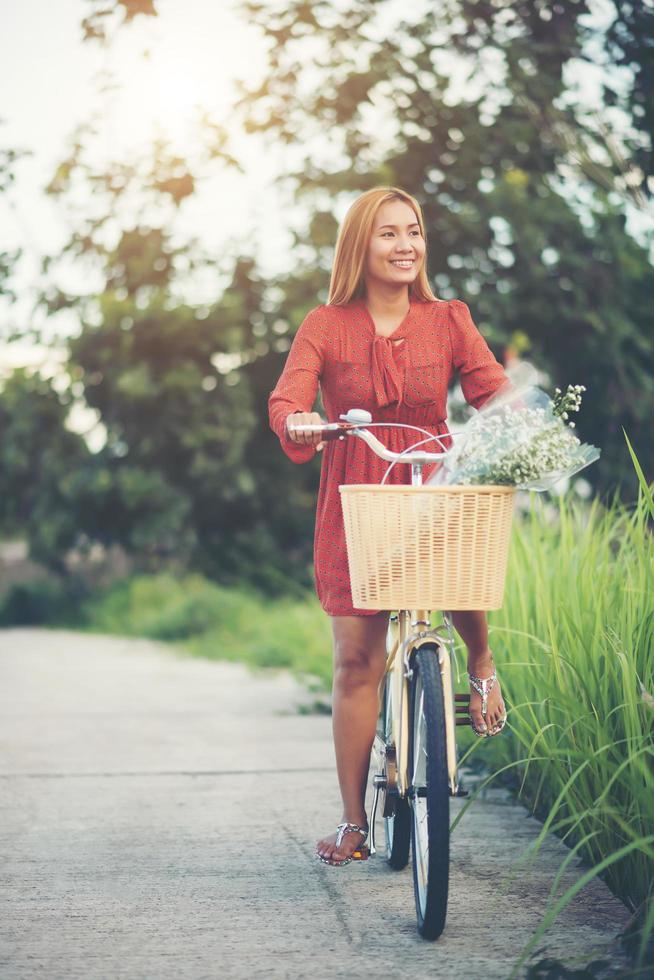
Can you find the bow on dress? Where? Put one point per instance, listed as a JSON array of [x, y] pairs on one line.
[[386, 376]]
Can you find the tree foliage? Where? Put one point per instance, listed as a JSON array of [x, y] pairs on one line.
[[525, 197], [189, 472], [526, 193], [40, 463]]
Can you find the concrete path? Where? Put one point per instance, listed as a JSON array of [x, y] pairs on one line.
[[157, 822]]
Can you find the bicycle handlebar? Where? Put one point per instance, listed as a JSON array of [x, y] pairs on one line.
[[354, 424]]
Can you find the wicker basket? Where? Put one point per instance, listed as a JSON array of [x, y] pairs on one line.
[[427, 547]]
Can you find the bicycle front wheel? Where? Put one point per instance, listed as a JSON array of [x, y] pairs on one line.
[[429, 793]]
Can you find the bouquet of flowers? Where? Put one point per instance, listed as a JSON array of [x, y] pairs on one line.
[[520, 437]]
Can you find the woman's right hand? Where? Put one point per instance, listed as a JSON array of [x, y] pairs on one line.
[[305, 438]]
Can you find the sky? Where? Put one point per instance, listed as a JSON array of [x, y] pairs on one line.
[[196, 48]]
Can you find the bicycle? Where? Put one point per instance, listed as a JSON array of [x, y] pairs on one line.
[[388, 539]]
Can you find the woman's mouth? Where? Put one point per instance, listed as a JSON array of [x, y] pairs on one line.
[[402, 263]]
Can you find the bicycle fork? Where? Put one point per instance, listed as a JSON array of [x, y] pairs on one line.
[[392, 756]]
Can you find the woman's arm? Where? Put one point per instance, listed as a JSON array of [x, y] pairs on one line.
[[480, 374], [297, 387]]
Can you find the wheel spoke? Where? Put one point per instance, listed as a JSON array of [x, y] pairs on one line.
[[420, 815], [398, 825], [420, 749]]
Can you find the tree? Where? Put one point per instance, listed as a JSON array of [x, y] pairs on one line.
[[524, 203], [9, 158], [180, 390], [39, 467], [189, 473]]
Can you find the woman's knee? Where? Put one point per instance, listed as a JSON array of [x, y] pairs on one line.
[[359, 656]]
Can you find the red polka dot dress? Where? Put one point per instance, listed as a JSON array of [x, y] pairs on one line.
[[400, 378]]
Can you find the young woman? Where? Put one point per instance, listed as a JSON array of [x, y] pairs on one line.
[[385, 343]]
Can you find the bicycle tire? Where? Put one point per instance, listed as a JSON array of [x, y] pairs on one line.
[[398, 826], [429, 793]]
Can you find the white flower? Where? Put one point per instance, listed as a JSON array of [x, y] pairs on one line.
[[517, 446]]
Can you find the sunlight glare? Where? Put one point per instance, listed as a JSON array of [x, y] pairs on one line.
[[161, 95]]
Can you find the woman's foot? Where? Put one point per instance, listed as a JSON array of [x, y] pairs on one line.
[[351, 841], [482, 666]]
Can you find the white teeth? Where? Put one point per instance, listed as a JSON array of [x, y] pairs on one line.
[[402, 263]]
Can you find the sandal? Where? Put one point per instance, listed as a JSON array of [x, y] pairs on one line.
[[362, 852], [483, 686]]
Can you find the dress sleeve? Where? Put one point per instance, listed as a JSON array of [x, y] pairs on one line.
[[480, 373], [297, 387]]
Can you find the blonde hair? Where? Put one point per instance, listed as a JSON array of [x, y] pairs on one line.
[[347, 279]]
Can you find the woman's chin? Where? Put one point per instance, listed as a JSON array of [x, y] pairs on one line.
[[401, 277]]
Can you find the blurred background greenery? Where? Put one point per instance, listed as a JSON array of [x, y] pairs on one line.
[[537, 209]]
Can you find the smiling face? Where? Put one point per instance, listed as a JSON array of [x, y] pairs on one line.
[[396, 249]]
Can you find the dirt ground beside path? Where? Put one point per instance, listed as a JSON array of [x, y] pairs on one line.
[[157, 822]]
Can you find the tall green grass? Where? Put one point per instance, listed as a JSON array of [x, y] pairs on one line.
[[574, 644]]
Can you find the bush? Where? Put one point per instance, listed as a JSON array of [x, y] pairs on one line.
[[219, 623], [44, 601], [163, 607]]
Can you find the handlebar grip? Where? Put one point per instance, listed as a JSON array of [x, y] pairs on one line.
[[328, 435], [328, 432]]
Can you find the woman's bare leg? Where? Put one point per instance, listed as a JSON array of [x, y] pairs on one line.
[[472, 627], [359, 661]]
